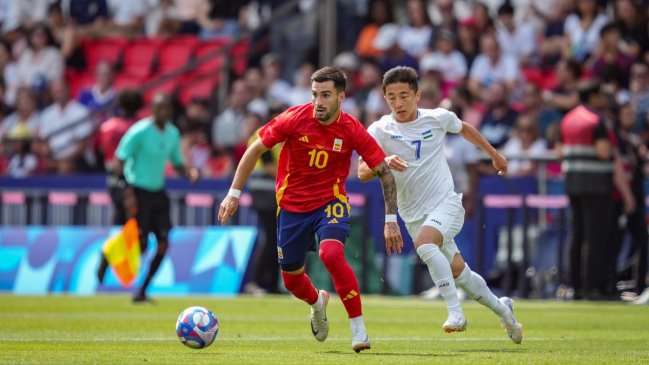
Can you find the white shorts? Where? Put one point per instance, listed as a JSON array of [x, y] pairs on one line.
[[448, 219]]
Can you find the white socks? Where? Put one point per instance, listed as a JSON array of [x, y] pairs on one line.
[[357, 322], [475, 286], [318, 303], [440, 271], [358, 328]]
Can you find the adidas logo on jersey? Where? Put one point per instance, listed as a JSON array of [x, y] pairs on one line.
[[333, 221], [304, 139]]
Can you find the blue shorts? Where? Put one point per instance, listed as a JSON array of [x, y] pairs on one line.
[[297, 233]]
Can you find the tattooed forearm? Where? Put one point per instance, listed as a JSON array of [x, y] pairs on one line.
[[389, 187]]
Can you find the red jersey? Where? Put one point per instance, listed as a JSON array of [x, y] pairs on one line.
[[314, 161], [110, 133]]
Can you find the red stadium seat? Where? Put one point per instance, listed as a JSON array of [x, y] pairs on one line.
[[168, 86], [175, 53], [199, 87], [239, 56], [123, 80], [79, 81], [139, 56], [103, 49], [208, 53]]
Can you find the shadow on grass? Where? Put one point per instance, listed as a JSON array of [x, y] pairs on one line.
[[415, 354], [492, 350]]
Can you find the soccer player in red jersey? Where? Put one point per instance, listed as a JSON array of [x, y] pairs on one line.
[[313, 166]]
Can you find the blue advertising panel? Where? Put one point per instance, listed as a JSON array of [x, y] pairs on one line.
[[42, 260]]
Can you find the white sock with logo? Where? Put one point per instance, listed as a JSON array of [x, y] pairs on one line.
[[475, 286], [440, 271]]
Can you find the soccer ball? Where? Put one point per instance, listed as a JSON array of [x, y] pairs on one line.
[[197, 327]]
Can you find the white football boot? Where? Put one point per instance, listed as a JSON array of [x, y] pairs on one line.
[[319, 323], [360, 339], [513, 328], [455, 322]]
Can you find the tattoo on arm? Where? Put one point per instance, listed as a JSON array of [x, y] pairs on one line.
[[389, 187]]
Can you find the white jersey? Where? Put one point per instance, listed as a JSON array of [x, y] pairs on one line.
[[427, 181]]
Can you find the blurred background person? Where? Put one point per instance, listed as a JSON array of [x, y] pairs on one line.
[[634, 155], [564, 96], [517, 40], [380, 12], [22, 162], [523, 147], [129, 102], [499, 118], [26, 114], [582, 30], [415, 36], [262, 189], [101, 95], [393, 55], [492, 66], [68, 130], [588, 165], [41, 63]]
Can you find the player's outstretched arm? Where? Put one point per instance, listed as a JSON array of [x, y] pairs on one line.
[[230, 204], [365, 174], [393, 239], [395, 162], [472, 135]]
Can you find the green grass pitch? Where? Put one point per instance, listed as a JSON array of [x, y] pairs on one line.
[[108, 329]]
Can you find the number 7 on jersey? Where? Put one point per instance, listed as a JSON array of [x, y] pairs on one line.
[[417, 145]]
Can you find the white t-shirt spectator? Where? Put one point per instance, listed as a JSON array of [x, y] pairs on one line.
[[483, 71], [54, 118], [226, 129], [47, 64], [518, 44], [516, 156], [583, 41], [126, 11], [414, 41], [21, 11], [451, 66]]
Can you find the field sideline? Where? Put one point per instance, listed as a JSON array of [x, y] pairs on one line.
[[275, 330]]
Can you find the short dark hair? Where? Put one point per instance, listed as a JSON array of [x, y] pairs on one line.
[[506, 9], [403, 74], [130, 101], [609, 28], [329, 73], [574, 67], [588, 89]]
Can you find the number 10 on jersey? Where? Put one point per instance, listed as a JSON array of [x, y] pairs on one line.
[[318, 158]]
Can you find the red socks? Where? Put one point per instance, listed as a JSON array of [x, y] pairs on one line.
[[333, 257], [301, 286]]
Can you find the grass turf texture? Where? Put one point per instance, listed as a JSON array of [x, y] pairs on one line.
[[275, 330]]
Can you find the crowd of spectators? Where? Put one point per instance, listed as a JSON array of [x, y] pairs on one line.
[[510, 68]]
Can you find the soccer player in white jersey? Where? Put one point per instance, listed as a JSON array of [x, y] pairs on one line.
[[413, 140]]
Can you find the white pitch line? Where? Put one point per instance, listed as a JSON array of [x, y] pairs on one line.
[[275, 339]]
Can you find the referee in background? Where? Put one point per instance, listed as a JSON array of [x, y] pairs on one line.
[[142, 155]]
